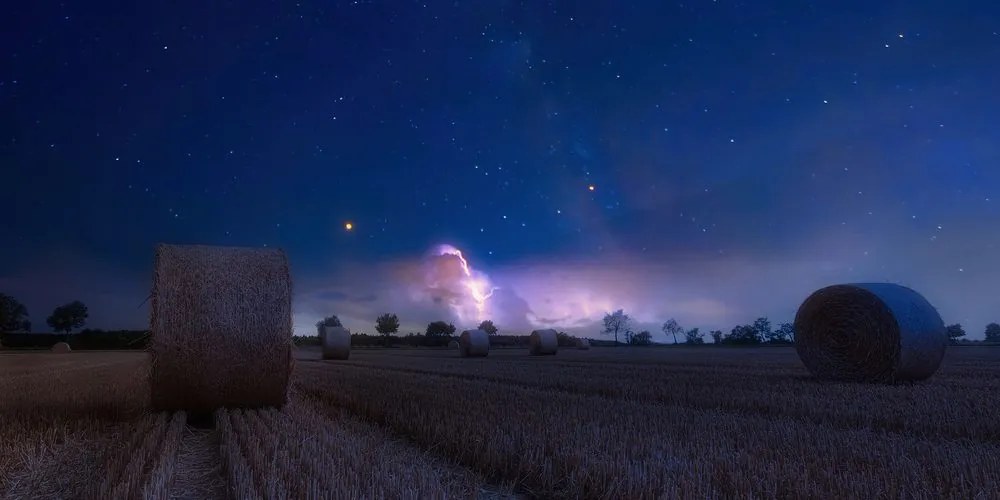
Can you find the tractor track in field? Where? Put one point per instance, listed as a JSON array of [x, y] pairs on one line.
[[198, 470]]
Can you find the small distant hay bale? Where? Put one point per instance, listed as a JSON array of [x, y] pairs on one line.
[[871, 332], [543, 342], [221, 328], [336, 342], [60, 347], [582, 344], [474, 343], [453, 344]]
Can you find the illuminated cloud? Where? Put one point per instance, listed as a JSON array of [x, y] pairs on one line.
[[449, 279], [444, 284]]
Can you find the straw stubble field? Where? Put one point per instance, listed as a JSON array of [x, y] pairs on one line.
[[605, 423]]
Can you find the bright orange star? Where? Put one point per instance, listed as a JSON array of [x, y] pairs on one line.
[[348, 226]]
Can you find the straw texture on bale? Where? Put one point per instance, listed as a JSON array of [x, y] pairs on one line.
[[543, 342], [474, 343], [582, 344], [453, 344], [872, 332], [336, 342], [221, 328], [61, 347]]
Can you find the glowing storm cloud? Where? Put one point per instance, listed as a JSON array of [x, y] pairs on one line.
[[476, 284]]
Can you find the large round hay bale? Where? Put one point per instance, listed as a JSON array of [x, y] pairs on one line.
[[474, 343], [60, 347], [543, 342], [453, 344], [336, 342], [582, 344], [221, 328], [876, 332]]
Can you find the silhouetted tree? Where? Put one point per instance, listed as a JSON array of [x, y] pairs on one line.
[[67, 317], [488, 327], [641, 338], [387, 324], [672, 328], [693, 336], [13, 315], [716, 336], [954, 332], [784, 333], [440, 329], [993, 332], [742, 334], [615, 322], [762, 327], [331, 321]]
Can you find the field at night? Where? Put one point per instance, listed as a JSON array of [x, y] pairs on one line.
[[327, 250], [704, 422]]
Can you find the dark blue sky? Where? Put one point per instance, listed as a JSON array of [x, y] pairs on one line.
[[741, 154]]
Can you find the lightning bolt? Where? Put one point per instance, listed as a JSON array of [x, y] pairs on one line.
[[479, 288]]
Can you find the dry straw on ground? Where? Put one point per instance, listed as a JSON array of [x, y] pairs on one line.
[[474, 343], [336, 342], [877, 332], [61, 347], [221, 328], [582, 344], [543, 342]]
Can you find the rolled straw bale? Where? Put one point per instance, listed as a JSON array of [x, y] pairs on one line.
[[474, 343], [582, 344], [336, 342], [60, 347], [453, 344], [543, 342], [221, 328], [875, 332]]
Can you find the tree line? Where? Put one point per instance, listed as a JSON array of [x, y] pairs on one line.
[[86, 339], [619, 325], [65, 318], [437, 333]]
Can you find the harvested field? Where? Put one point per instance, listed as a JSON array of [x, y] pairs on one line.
[[422, 423]]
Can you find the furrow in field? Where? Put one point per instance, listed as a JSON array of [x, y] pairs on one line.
[[973, 412], [141, 460], [235, 462], [64, 426], [559, 444], [57, 457], [299, 452]]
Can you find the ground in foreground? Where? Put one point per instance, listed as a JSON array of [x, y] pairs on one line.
[[421, 423]]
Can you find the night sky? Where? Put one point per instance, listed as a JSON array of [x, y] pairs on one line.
[[711, 161]]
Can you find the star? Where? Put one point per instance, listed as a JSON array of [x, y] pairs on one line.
[[349, 226]]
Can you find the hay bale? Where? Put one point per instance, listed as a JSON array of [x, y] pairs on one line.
[[453, 344], [221, 328], [336, 342], [543, 342], [876, 332], [60, 347], [474, 343], [582, 344]]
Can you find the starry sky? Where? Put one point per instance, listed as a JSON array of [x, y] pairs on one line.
[[534, 163]]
